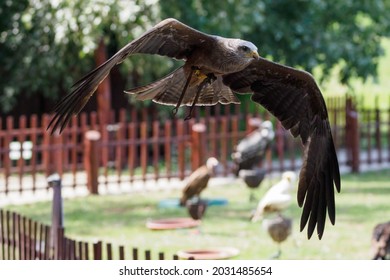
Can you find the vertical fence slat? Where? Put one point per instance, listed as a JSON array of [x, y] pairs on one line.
[[223, 144], [40, 242], [368, 137], [378, 141], [8, 233], [109, 251], [148, 255], [280, 145], [33, 139], [213, 138], [167, 148], [198, 143], [72, 250], [34, 241], [144, 150], [21, 139], [46, 148], [7, 160], [20, 231], [74, 151], [132, 130], [2, 234], [180, 148], [156, 150], [28, 237], [121, 252], [48, 254], [97, 250], [161, 256], [135, 253], [79, 250], [13, 236], [120, 152]]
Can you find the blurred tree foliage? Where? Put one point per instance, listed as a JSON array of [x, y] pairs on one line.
[[46, 45], [304, 33]]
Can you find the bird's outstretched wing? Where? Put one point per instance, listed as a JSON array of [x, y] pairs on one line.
[[294, 98], [168, 38]]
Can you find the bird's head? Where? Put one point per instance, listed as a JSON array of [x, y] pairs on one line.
[[247, 49], [289, 176], [267, 125], [267, 131], [211, 163]]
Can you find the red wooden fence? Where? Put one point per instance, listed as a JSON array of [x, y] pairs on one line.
[[22, 238], [140, 147]]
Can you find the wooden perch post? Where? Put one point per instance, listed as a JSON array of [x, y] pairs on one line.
[[57, 214], [91, 159], [198, 141]]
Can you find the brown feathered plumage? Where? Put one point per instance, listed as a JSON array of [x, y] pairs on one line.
[[214, 68], [198, 181], [295, 99], [380, 242], [279, 228]]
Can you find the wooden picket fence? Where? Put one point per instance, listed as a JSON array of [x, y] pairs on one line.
[[22, 238], [141, 147]]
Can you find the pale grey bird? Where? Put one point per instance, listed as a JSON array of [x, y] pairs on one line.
[[279, 229], [216, 68]]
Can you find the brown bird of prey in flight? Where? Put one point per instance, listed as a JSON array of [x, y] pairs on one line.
[[215, 69]]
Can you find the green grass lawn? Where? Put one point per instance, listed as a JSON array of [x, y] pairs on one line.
[[363, 202]]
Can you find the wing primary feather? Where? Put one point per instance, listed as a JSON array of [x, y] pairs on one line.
[[313, 210], [321, 207]]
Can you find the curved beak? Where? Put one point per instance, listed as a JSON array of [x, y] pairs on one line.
[[255, 54]]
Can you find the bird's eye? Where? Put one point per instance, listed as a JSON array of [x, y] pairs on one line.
[[244, 48]]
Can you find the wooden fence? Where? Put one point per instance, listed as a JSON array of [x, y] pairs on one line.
[[25, 239], [141, 147]]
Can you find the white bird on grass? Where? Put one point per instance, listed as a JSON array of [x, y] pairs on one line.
[[277, 198]]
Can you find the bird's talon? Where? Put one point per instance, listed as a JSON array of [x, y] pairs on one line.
[[174, 111]]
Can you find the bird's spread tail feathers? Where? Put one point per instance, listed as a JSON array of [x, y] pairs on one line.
[[165, 90], [168, 90]]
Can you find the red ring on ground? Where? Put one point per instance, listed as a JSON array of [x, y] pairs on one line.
[[172, 223], [209, 254]]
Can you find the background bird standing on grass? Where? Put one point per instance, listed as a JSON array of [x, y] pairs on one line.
[[216, 68], [277, 198], [279, 229], [253, 179], [251, 149], [198, 181], [380, 242]]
